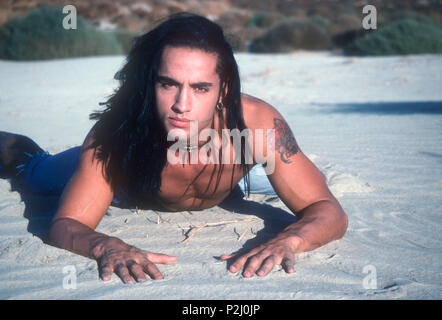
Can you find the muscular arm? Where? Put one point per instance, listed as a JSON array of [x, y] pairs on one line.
[[302, 187], [83, 204], [74, 236]]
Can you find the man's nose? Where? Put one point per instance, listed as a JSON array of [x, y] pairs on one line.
[[182, 101]]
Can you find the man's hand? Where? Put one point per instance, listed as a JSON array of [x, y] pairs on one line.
[[261, 260], [128, 262]]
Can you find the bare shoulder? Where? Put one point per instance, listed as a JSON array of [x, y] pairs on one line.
[[258, 114], [88, 194], [88, 151]]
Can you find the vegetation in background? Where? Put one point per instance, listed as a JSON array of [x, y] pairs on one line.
[[263, 28], [257, 20], [320, 21], [414, 35], [40, 35], [291, 34]]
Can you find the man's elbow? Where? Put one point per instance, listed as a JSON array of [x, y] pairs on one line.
[[341, 223], [344, 224], [340, 219], [48, 238]]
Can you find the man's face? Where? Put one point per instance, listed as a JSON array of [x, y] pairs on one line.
[[187, 88]]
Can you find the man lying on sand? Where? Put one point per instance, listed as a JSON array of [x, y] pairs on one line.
[[161, 144]]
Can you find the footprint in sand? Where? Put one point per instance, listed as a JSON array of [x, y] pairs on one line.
[[342, 183]]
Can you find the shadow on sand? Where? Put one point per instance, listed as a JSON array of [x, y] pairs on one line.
[[275, 220], [432, 155], [39, 211], [386, 108]]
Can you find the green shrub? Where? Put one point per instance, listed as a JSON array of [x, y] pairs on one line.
[[257, 20], [320, 21], [407, 14], [264, 19], [40, 35], [401, 37], [289, 35]]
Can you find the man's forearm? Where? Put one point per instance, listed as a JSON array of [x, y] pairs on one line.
[[76, 237], [320, 223]]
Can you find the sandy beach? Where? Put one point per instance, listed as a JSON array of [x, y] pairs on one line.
[[373, 126]]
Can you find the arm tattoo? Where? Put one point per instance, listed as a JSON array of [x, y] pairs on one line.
[[285, 142]]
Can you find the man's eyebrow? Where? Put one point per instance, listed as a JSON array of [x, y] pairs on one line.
[[201, 84], [167, 79]]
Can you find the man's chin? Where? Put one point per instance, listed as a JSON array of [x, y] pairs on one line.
[[177, 134], [188, 135]]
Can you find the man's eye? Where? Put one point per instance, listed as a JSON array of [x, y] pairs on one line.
[[165, 85], [202, 89]]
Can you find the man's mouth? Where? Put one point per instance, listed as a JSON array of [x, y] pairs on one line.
[[180, 122]]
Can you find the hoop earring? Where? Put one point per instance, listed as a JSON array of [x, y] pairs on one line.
[[219, 106]]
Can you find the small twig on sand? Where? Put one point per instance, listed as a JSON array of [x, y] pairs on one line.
[[136, 210], [236, 232], [194, 232], [214, 224], [243, 234], [159, 220]]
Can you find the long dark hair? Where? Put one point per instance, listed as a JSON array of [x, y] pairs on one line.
[[128, 137]]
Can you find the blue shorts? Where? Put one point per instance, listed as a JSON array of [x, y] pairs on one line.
[[48, 174]]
